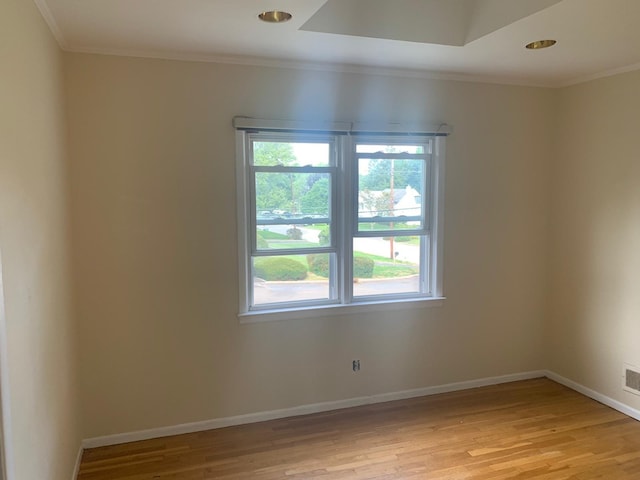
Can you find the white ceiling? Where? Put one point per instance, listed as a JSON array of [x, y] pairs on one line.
[[463, 39]]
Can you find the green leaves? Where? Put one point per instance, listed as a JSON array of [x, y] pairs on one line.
[[273, 153]]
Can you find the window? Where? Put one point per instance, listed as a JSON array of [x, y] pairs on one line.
[[334, 219]]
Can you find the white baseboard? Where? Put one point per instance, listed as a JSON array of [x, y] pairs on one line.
[[76, 469], [599, 397], [302, 410]]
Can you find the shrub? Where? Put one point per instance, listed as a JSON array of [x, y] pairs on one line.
[[294, 233], [363, 267], [324, 236], [279, 268], [319, 264]]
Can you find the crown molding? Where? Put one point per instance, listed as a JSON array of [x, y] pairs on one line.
[[348, 68], [596, 76], [310, 66], [45, 11]]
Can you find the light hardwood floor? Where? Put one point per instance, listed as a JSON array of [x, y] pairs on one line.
[[534, 429]]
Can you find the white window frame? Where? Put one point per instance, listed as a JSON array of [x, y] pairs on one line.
[[344, 206], [335, 216]]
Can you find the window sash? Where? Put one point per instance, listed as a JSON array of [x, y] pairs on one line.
[[424, 218], [331, 170]]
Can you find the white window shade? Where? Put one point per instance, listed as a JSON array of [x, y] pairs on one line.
[[427, 129]]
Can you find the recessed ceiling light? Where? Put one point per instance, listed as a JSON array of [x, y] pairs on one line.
[[275, 16], [540, 44]]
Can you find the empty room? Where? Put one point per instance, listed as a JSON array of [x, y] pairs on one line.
[[319, 239]]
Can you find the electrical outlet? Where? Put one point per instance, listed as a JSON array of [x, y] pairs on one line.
[[355, 365]]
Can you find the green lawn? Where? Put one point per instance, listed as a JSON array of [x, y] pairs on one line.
[[383, 267], [267, 235], [386, 268]]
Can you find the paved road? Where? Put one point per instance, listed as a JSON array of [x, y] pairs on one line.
[[272, 292]]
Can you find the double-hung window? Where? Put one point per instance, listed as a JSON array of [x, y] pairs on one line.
[[331, 218]]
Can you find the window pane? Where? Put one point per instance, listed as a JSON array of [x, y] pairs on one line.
[[279, 236], [364, 148], [386, 265], [292, 278], [282, 195], [390, 188], [291, 154]]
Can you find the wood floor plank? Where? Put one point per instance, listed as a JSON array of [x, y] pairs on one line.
[[534, 429]]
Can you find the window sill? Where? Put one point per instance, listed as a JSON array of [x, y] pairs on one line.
[[333, 310]]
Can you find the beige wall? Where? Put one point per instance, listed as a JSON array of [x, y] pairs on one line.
[[34, 242], [152, 183], [153, 201], [595, 298]]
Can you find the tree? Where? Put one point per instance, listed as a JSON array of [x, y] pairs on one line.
[[277, 191], [273, 192], [406, 172], [296, 193], [273, 153], [376, 204], [316, 200]]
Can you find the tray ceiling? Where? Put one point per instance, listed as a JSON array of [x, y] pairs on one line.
[[465, 39]]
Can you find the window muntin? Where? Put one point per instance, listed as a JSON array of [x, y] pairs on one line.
[[310, 207]]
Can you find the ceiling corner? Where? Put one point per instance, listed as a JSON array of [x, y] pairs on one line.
[[45, 11]]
